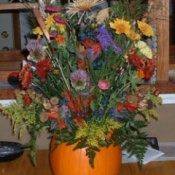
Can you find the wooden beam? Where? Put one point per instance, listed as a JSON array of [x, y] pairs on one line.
[[17, 6]]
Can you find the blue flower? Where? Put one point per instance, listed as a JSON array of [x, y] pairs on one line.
[[105, 40]]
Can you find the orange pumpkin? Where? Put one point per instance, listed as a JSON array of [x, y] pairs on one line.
[[66, 161]]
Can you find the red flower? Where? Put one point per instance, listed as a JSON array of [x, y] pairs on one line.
[[27, 100], [42, 69], [149, 69], [53, 115], [78, 121], [129, 106], [134, 59], [25, 76], [145, 67], [89, 44]]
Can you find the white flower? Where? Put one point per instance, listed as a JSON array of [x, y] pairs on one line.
[[144, 49]]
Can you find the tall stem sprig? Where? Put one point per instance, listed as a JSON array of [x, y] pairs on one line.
[[56, 62]]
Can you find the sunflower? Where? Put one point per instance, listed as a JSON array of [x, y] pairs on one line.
[[121, 26], [133, 35], [145, 28]]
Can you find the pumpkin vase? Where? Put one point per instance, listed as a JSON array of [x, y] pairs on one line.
[[66, 161]]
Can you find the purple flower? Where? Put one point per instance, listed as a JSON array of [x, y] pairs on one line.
[[35, 49], [105, 40], [79, 79], [33, 44], [53, 9]]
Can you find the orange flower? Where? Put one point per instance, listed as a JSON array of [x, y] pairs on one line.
[[53, 115], [60, 39], [77, 104], [62, 124], [25, 76], [140, 73]]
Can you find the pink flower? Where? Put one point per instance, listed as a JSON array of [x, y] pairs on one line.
[[103, 84], [59, 20], [53, 9]]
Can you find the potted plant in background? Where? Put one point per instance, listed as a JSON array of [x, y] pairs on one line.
[[85, 84]]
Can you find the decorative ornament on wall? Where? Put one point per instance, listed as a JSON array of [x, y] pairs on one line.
[[4, 34]]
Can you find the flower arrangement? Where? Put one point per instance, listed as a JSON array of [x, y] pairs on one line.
[[85, 83]]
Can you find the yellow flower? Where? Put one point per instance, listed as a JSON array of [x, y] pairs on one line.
[[49, 22], [133, 35], [121, 26], [61, 27], [52, 25], [38, 31], [145, 28]]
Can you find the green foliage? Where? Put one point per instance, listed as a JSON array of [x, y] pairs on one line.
[[131, 138], [22, 119], [129, 9], [94, 131]]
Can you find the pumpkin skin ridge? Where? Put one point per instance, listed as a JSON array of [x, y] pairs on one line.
[[66, 161]]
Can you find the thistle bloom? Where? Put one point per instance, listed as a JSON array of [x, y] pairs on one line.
[[36, 50], [103, 84], [79, 79], [32, 44]]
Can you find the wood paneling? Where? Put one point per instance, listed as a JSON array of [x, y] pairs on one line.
[[161, 17], [10, 61], [23, 166], [7, 94], [11, 56]]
